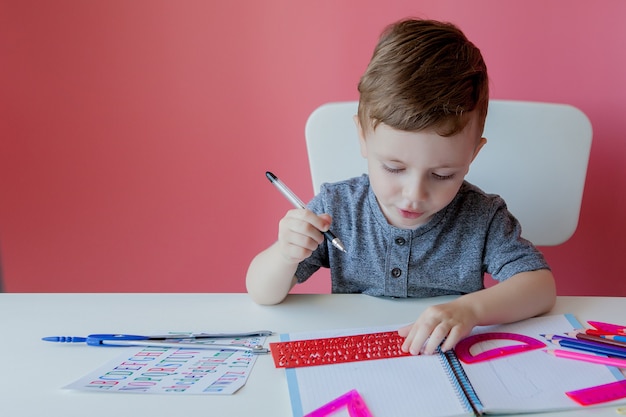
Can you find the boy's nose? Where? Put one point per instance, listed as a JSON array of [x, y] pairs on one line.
[[416, 190]]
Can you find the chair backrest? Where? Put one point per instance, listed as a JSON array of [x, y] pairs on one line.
[[536, 158]]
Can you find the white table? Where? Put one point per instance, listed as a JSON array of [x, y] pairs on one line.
[[32, 372]]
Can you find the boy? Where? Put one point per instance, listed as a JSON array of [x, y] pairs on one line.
[[413, 227]]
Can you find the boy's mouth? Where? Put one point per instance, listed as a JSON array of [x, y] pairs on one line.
[[409, 214]]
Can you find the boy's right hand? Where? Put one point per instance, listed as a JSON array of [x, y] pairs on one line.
[[300, 233]]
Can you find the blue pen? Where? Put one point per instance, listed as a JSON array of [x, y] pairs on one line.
[[170, 336], [168, 340], [586, 345], [64, 339]]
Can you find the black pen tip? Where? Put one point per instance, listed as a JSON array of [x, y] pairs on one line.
[[270, 176]]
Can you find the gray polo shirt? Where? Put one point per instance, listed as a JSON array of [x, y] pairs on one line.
[[475, 234]]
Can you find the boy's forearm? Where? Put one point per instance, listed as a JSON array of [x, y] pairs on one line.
[[524, 295], [270, 278]]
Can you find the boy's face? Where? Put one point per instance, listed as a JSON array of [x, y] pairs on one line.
[[416, 174]]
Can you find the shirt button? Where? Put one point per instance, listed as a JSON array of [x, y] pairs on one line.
[[400, 241], [396, 272]]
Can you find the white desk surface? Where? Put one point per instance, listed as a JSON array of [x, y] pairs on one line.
[[32, 372]]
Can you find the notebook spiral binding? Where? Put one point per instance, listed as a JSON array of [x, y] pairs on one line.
[[464, 388]]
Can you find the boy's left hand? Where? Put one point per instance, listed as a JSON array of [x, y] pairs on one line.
[[447, 323]]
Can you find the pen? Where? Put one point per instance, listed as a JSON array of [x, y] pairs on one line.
[[299, 204], [620, 363], [254, 349], [170, 336], [586, 345], [170, 340]]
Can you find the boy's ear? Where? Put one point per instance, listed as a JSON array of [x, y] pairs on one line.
[[361, 134], [479, 146]]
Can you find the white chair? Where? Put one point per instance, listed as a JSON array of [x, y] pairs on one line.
[[536, 158]]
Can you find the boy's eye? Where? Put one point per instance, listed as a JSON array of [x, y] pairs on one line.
[[392, 169], [443, 177]]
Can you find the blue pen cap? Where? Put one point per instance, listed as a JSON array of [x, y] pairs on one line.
[[65, 339]]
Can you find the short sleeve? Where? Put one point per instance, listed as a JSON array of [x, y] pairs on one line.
[[507, 253]]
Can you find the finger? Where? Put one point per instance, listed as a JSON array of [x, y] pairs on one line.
[[294, 245], [408, 332], [296, 228], [308, 239], [436, 338], [453, 338], [414, 342], [404, 331], [321, 222], [314, 224]]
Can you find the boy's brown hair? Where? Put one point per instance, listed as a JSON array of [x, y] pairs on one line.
[[423, 74]]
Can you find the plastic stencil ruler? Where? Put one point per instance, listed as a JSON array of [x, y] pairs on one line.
[[332, 350], [599, 394]]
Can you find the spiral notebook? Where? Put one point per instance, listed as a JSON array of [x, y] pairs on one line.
[[442, 386]]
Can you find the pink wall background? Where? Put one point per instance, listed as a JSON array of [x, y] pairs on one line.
[[134, 134]]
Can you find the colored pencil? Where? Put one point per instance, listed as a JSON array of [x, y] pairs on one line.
[[602, 360], [595, 332], [578, 334], [614, 337], [587, 346]]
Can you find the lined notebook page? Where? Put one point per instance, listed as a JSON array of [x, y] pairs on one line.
[[533, 381], [390, 387]]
